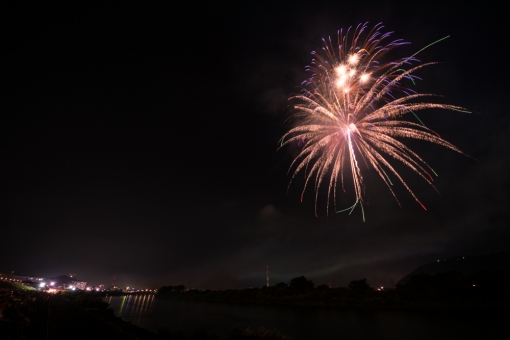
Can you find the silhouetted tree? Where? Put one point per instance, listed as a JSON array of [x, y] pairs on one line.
[[179, 288], [359, 285], [301, 283]]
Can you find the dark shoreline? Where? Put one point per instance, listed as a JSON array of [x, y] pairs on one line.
[[39, 315], [488, 289], [444, 315], [87, 315], [102, 313], [370, 301]]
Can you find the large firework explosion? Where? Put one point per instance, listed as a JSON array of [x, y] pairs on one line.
[[351, 111]]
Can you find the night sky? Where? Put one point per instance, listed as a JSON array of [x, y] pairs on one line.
[[139, 141]]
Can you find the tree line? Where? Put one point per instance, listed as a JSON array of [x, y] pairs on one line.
[[442, 290]]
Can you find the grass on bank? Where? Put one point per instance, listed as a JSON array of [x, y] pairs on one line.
[[14, 286]]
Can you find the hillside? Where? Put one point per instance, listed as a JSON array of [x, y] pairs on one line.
[[469, 265]]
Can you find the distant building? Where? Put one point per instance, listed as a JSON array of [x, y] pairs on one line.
[[65, 282], [114, 288], [58, 282]]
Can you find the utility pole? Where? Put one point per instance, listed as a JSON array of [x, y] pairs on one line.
[[267, 276]]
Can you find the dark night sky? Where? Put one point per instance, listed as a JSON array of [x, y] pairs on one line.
[[139, 141]]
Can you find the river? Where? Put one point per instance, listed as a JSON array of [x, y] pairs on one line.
[[303, 323]]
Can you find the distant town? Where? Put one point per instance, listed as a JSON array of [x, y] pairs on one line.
[[66, 283], [491, 267]]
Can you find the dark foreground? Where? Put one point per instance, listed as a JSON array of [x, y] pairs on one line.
[[37, 315], [66, 317]]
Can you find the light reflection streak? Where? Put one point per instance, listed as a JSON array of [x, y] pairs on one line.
[[122, 304]]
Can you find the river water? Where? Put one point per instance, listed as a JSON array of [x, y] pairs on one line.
[[303, 323]]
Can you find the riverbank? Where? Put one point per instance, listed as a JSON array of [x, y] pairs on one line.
[[306, 322], [22, 313], [450, 290], [339, 298], [38, 315], [88, 321]]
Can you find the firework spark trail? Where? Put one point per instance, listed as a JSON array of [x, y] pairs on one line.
[[352, 106]]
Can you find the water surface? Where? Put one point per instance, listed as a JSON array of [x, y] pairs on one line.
[[302, 323]]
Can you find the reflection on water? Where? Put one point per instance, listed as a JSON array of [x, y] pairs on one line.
[[309, 322], [132, 308]]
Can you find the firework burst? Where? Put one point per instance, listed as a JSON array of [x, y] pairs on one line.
[[351, 110]]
